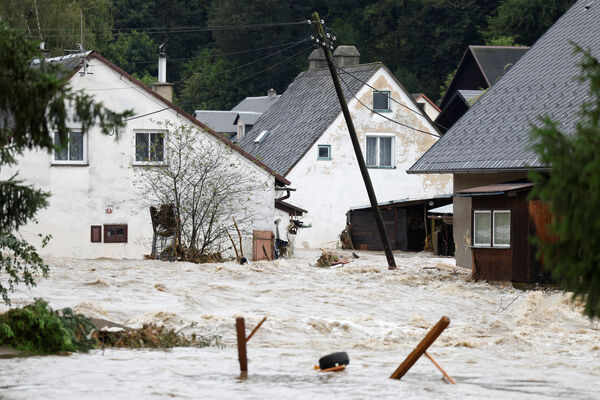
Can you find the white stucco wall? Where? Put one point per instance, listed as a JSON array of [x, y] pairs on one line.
[[80, 194], [329, 188]]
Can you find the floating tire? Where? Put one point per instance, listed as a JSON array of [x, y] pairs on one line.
[[334, 360]]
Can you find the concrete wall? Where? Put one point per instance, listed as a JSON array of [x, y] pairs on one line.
[[329, 188], [81, 194], [462, 210]]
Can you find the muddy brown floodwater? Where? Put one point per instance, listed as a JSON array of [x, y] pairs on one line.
[[502, 343]]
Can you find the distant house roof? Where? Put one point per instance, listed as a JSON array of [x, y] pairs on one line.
[[481, 66], [470, 95], [219, 121], [69, 62], [258, 104], [419, 96], [74, 62], [300, 116], [247, 117], [494, 134]]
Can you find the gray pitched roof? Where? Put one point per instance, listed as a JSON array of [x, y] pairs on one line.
[[493, 60], [495, 133], [301, 116], [248, 117], [218, 121], [258, 104], [69, 62]]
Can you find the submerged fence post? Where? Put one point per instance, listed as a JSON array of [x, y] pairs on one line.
[[421, 348], [240, 325]]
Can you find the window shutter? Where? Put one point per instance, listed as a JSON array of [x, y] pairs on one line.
[[96, 234]]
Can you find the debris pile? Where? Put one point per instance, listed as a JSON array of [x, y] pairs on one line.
[[329, 258]]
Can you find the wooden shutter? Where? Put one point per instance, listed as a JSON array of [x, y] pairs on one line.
[[96, 234]]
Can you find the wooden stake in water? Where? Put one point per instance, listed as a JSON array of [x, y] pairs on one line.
[[240, 325], [421, 349]]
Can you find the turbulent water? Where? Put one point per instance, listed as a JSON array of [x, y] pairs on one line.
[[501, 342]]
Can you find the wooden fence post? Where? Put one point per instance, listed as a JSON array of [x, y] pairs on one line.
[[240, 325], [421, 348]]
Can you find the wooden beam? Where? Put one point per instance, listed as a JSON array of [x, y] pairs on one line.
[[255, 329], [448, 377], [240, 325], [421, 348]]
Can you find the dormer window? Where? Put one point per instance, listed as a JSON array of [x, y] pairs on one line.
[[381, 100]]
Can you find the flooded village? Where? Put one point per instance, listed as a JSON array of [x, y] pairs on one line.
[[176, 225]]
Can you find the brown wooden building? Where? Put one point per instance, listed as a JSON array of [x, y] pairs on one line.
[[405, 221], [502, 221]]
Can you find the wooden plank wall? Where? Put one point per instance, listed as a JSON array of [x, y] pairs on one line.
[[260, 239], [492, 264]]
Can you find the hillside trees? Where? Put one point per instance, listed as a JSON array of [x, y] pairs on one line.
[[34, 105]]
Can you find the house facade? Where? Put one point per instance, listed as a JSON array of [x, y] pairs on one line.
[[491, 143], [95, 210], [304, 137]]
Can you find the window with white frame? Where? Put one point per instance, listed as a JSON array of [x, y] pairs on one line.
[[74, 151], [324, 152], [381, 100], [150, 147], [491, 228], [380, 151]]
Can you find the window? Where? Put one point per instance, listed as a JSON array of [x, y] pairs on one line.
[[482, 232], [115, 233], [501, 228], [240, 131], [72, 152], [381, 100], [324, 152], [380, 151], [150, 147], [491, 228]]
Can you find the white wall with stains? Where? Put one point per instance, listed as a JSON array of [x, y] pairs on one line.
[[82, 193], [329, 188]]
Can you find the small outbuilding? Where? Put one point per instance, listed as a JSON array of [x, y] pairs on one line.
[[503, 219], [405, 223]]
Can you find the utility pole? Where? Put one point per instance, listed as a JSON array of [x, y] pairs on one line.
[[324, 41]]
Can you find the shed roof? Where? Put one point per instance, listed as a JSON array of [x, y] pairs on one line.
[[300, 117], [495, 189], [447, 209], [494, 134], [258, 104]]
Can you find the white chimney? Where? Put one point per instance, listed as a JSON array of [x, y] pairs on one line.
[[162, 68], [162, 87]]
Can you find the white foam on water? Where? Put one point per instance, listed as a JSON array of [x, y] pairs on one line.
[[501, 343]]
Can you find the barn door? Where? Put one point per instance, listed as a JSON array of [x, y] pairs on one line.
[[262, 245]]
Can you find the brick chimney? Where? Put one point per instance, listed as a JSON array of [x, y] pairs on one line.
[[317, 60], [346, 56], [162, 87]]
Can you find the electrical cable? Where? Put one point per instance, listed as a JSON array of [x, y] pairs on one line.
[[382, 115], [389, 96]]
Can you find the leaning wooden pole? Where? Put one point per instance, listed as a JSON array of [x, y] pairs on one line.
[[240, 325], [421, 348], [324, 42]]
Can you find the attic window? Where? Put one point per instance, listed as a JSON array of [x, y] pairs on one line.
[[324, 152], [381, 100], [262, 136]]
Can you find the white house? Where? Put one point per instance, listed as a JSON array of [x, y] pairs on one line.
[[304, 137], [94, 210]]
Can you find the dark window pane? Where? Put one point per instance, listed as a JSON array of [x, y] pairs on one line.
[[324, 152], [380, 101], [156, 147], [141, 146], [372, 151], [62, 153], [76, 146], [385, 151]]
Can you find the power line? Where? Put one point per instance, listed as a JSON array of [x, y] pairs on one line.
[[163, 30], [221, 54], [382, 115], [388, 95]]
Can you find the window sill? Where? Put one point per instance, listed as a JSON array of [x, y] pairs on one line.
[[382, 111], [379, 167], [150, 164], [489, 247], [324, 159], [69, 164]]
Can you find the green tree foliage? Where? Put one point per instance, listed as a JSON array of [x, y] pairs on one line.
[[34, 103], [524, 20], [132, 52], [573, 189], [58, 22], [37, 329]]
